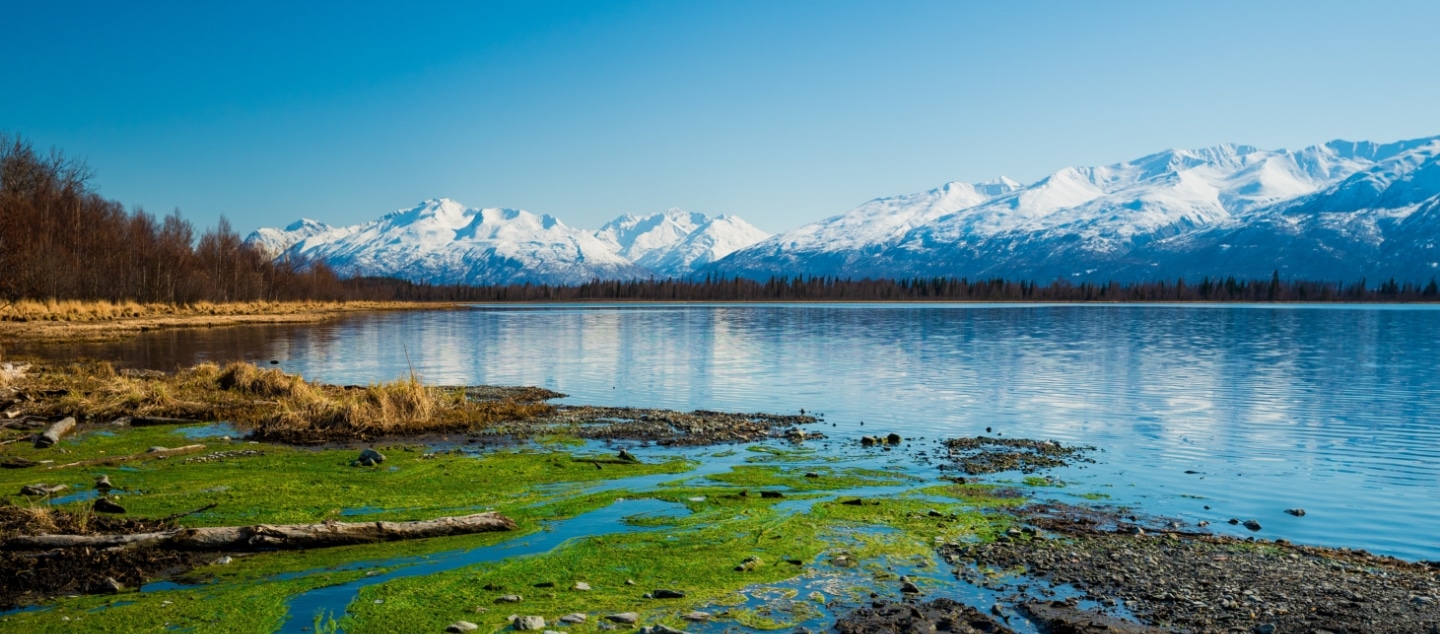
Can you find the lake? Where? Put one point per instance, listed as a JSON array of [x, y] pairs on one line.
[[1245, 409]]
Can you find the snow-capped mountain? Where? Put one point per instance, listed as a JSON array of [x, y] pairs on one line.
[[1341, 210], [442, 241], [674, 243]]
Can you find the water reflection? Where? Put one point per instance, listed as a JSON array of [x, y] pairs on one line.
[[1334, 409]]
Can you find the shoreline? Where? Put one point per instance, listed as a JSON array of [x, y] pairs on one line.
[[102, 321], [838, 511]]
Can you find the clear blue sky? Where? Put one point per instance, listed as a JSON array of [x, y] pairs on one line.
[[780, 112]]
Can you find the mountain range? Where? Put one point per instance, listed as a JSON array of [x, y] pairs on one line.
[[443, 242], [1336, 211]]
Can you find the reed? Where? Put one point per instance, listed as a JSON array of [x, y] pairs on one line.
[[270, 403]]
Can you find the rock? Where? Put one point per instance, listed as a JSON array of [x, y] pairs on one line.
[[941, 615], [1296, 512], [17, 463], [529, 623], [629, 582], [224, 561], [909, 587], [771, 494], [893, 439], [869, 440], [39, 490], [461, 626], [53, 434], [509, 598], [105, 505], [103, 483], [750, 563], [697, 617], [1265, 628], [111, 586], [854, 502], [625, 618], [668, 594], [545, 584], [1251, 524], [627, 456], [581, 586], [1234, 521], [369, 458], [574, 619], [812, 474], [660, 629]]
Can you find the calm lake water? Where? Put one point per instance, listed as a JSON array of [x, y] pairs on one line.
[[1249, 410]]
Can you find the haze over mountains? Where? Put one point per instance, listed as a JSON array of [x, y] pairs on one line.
[[1338, 211]]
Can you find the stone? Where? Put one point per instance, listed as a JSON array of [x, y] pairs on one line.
[[545, 584], [869, 440], [509, 598], [574, 619], [771, 494], [668, 594], [854, 502], [1296, 512], [697, 617], [627, 456], [369, 458], [750, 563], [1251, 524], [893, 439], [103, 483], [812, 474], [105, 505], [660, 629], [111, 586], [581, 586], [527, 623], [909, 587], [39, 490], [625, 618], [461, 626], [629, 582], [224, 561]]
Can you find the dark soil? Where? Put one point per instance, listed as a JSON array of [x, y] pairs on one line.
[[940, 615], [983, 454], [672, 428], [29, 577], [1192, 582]]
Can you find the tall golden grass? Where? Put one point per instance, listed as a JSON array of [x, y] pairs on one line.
[[272, 404]]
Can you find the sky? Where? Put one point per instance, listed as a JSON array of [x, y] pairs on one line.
[[781, 112]]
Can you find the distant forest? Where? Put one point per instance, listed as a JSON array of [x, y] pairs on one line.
[[59, 239]]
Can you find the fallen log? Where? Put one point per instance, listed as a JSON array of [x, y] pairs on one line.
[[52, 435], [153, 453], [277, 537], [155, 421]]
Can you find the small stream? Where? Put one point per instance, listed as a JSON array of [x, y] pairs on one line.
[[333, 600]]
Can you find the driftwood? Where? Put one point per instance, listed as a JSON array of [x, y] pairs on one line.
[[153, 421], [267, 537], [52, 435], [114, 460]]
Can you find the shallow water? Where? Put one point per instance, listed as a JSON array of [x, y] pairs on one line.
[[1335, 409]]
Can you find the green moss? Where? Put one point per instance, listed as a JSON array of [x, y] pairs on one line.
[[829, 478]]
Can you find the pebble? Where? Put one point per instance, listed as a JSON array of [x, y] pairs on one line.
[[581, 586], [697, 617], [660, 629], [627, 618], [576, 618], [224, 561], [461, 626], [368, 458], [668, 594], [909, 587], [509, 598], [1252, 525], [1296, 512], [106, 505]]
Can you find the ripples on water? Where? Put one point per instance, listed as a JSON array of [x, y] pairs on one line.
[[1332, 408]]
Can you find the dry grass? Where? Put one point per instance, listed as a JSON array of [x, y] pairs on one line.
[[272, 404], [101, 320]]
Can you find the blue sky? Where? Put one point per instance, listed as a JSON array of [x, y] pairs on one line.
[[779, 112]]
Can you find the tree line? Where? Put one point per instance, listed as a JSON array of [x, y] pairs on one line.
[[829, 288], [59, 239]]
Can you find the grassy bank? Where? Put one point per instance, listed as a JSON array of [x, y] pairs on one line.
[[69, 320]]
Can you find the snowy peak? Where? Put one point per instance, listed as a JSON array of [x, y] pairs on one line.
[[1173, 212], [442, 241], [673, 243]]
